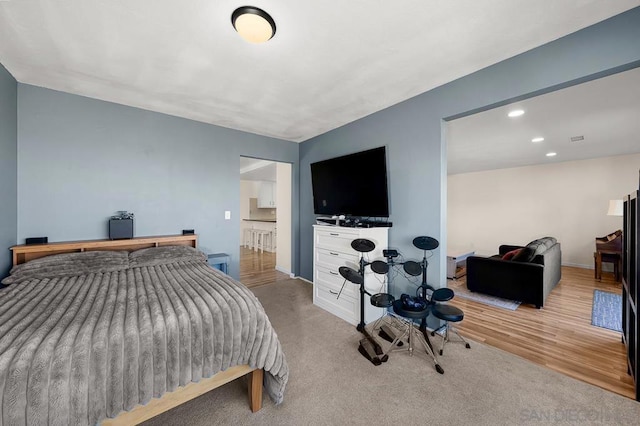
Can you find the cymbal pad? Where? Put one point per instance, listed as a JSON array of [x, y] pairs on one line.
[[425, 243], [363, 245]]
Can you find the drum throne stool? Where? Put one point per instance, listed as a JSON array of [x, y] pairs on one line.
[[448, 314]]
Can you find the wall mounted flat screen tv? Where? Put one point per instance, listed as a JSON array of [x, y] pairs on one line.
[[352, 185]]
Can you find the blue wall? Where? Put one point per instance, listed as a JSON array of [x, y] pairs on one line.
[[80, 160], [413, 131], [8, 167]]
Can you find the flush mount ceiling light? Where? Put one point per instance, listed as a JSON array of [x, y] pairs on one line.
[[516, 113], [253, 24], [551, 154], [536, 140]]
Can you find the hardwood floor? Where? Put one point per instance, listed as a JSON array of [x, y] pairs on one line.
[[558, 336], [258, 268]]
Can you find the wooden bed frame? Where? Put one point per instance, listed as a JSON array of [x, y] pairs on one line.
[[141, 413]]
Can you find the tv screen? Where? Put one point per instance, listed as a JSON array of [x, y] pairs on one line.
[[352, 185]]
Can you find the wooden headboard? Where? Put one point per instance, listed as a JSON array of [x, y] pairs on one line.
[[25, 253]]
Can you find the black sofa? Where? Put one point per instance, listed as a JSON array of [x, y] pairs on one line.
[[528, 281]]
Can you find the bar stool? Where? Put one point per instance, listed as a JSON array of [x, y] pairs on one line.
[[261, 237], [274, 238], [248, 238]]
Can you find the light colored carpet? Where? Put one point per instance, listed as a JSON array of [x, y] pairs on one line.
[[460, 289], [332, 384]]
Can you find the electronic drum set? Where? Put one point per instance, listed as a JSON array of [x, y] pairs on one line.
[[408, 307]]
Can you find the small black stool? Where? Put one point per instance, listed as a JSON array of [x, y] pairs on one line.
[[448, 314]]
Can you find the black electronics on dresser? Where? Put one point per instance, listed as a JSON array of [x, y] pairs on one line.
[[121, 226], [188, 232], [353, 222], [36, 240]]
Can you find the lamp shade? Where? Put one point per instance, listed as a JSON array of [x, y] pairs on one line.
[[253, 24], [615, 208]]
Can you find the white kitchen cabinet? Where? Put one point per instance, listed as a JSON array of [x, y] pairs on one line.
[[267, 195]]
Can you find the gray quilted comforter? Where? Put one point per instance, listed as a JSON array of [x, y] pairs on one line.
[[77, 347]]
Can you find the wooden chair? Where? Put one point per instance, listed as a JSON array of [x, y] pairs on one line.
[[608, 250]]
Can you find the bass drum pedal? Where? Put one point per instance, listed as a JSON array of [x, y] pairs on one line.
[[372, 351]]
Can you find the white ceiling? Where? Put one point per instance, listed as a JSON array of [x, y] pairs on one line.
[[605, 111], [329, 63], [254, 169]]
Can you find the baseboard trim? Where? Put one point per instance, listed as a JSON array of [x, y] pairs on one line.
[[284, 271], [304, 279], [605, 267], [578, 265]]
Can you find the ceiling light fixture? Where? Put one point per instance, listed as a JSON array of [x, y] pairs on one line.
[[253, 24], [551, 154], [516, 113], [536, 140]]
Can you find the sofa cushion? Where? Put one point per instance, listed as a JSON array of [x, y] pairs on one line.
[[509, 255], [525, 255], [542, 244]]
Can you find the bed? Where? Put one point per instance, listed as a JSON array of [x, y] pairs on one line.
[[116, 332]]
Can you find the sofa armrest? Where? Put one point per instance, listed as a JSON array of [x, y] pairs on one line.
[[506, 248], [552, 260]]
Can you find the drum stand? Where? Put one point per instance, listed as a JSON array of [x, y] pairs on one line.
[[424, 244], [386, 329], [404, 319], [368, 346], [411, 333]]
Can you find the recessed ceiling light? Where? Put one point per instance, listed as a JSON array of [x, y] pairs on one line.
[[551, 154], [253, 24], [535, 140], [516, 113]]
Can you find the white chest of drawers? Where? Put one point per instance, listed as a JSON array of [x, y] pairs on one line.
[[332, 249]]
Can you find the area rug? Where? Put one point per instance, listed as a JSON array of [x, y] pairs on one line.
[[607, 310], [460, 289]]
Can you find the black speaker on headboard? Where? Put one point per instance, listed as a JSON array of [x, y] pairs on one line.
[[120, 229], [36, 240]]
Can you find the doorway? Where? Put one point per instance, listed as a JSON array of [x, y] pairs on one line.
[[265, 221], [545, 166]]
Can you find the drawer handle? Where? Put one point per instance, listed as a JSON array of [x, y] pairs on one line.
[[333, 292], [333, 273], [333, 254], [335, 235]]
